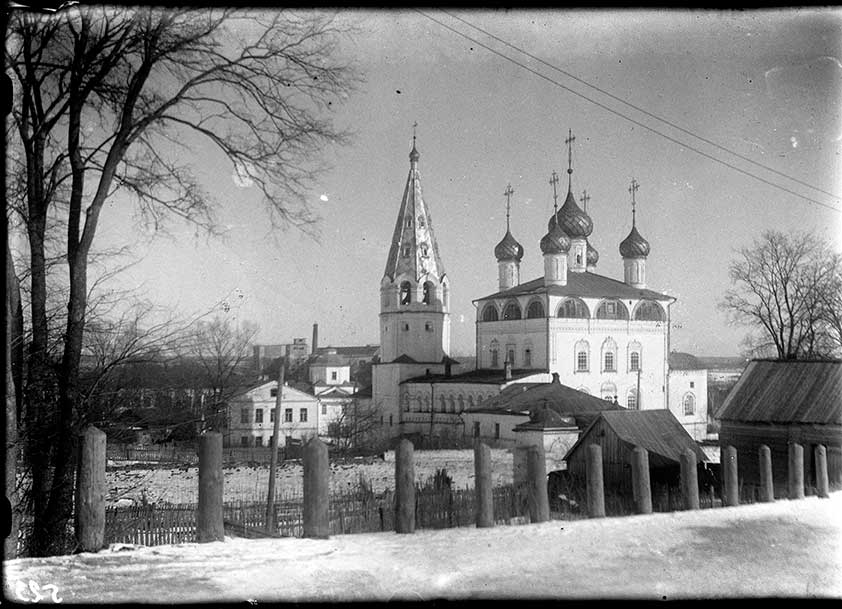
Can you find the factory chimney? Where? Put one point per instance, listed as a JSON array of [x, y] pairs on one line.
[[315, 338]]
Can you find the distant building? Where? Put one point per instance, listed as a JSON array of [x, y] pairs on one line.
[[251, 416], [688, 397], [296, 353]]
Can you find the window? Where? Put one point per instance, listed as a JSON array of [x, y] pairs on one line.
[[302, 415], [527, 358], [689, 404], [582, 349], [424, 250], [406, 327], [476, 429], [612, 309], [442, 404], [608, 391], [333, 375], [428, 326], [244, 415], [406, 292], [272, 415], [470, 402], [258, 415], [648, 310], [407, 250], [287, 415], [324, 408], [634, 361], [421, 221], [692, 385], [427, 287], [609, 362], [489, 313], [497, 430], [609, 355], [244, 440], [512, 311], [258, 441], [495, 361], [535, 310], [273, 392], [409, 222], [461, 404], [573, 308], [269, 441], [631, 399], [451, 402], [510, 355], [390, 420]]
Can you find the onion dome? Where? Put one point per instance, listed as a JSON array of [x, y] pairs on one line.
[[413, 154], [574, 221], [634, 246], [508, 249], [555, 241], [592, 257]]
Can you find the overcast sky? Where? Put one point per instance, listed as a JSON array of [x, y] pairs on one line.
[[766, 85]]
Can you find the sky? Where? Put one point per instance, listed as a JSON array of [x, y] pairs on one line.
[[766, 85]]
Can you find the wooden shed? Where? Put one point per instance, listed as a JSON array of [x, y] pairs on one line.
[[619, 432], [779, 402]]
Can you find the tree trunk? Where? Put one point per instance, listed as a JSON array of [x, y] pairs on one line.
[[10, 546]]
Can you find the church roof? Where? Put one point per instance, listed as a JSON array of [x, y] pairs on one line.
[[414, 228], [488, 376], [585, 284]]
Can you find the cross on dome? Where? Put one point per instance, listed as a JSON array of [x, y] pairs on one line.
[[633, 189], [585, 198], [569, 141], [508, 194]]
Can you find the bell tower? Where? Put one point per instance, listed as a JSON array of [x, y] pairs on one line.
[[415, 290]]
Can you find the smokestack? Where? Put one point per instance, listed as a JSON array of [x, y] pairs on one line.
[[315, 338]]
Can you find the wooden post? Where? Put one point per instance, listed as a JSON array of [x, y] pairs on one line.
[[796, 471], [539, 502], [209, 516], [483, 485], [822, 486], [596, 488], [640, 480], [316, 490], [689, 480], [273, 455], [90, 491], [767, 483], [731, 475], [404, 488]]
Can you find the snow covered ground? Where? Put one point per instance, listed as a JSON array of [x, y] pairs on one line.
[[788, 549]]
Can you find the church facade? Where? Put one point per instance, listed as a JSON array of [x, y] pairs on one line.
[[602, 336]]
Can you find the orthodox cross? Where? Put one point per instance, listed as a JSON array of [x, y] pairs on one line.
[[569, 141], [508, 194], [585, 198], [554, 182], [414, 126], [633, 189]]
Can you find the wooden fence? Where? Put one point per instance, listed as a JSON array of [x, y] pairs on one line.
[[189, 455]]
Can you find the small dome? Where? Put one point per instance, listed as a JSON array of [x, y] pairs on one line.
[[413, 154], [508, 249], [634, 246], [555, 241], [572, 219], [592, 256]]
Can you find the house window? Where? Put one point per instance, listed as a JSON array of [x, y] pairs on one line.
[[406, 327], [489, 313], [333, 375], [689, 404], [527, 358], [582, 348], [451, 402], [495, 362], [244, 416], [287, 415], [497, 430], [390, 420], [476, 429], [269, 442], [258, 441], [510, 355], [609, 356], [258, 415], [324, 408], [631, 399], [634, 361], [692, 384], [244, 440], [461, 404], [302, 415], [428, 326], [406, 291], [609, 362], [272, 415], [273, 392], [442, 404], [608, 391]]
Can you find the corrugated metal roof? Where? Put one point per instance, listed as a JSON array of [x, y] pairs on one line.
[[658, 431], [774, 391], [585, 284]]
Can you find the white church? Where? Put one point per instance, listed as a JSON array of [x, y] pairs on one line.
[[604, 337]]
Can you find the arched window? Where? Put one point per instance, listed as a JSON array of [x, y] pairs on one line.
[[470, 402], [527, 358], [609, 356], [426, 403], [510, 355], [535, 310], [573, 308], [428, 292], [634, 356], [631, 399], [582, 354], [512, 311], [461, 403], [452, 404], [489, 313], [406, 292], [442, 404], [649, 310], [689, 404], [424, 251], [495, 351], [612, 309], [406, 402], [608, 391]]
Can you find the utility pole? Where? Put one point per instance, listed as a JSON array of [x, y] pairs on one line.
[[273, 457]]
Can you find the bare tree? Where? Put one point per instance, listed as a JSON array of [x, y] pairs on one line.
[[358, 426], [787, 287], [111, 99]]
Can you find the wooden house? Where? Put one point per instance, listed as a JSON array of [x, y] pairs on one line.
[[779, 402]]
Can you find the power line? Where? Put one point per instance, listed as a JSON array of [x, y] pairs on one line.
[[628, 118], [639, 109]]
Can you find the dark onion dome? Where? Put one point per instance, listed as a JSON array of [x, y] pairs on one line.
[[413, 154], [634, 246], [574, 221], [508, 249], [592, 256], [555, 241]]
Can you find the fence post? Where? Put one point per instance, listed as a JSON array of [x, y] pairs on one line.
[[640, 480], [596, 488], [316, 489], [90, 491], [796, 471], [689, 480], [209, 516], [731, 476], [767, 484], [536, 468], [822, 486], [483, 488], [404, 488]]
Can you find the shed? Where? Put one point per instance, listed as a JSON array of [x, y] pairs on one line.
[[777, 402]]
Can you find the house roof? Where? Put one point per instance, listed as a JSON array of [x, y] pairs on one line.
[[353, 352], [773, 391], [483, 376], [545, 418], [658, 431], [288, 391], [684, 361], [584, 284]]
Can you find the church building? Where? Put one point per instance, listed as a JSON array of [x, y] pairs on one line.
[[601, 336]]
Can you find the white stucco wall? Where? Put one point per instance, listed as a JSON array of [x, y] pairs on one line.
[[261, 398], [695, 383]]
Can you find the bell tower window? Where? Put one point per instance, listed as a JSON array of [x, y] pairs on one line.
[[407, 251], [427, 295], [406, 292]]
